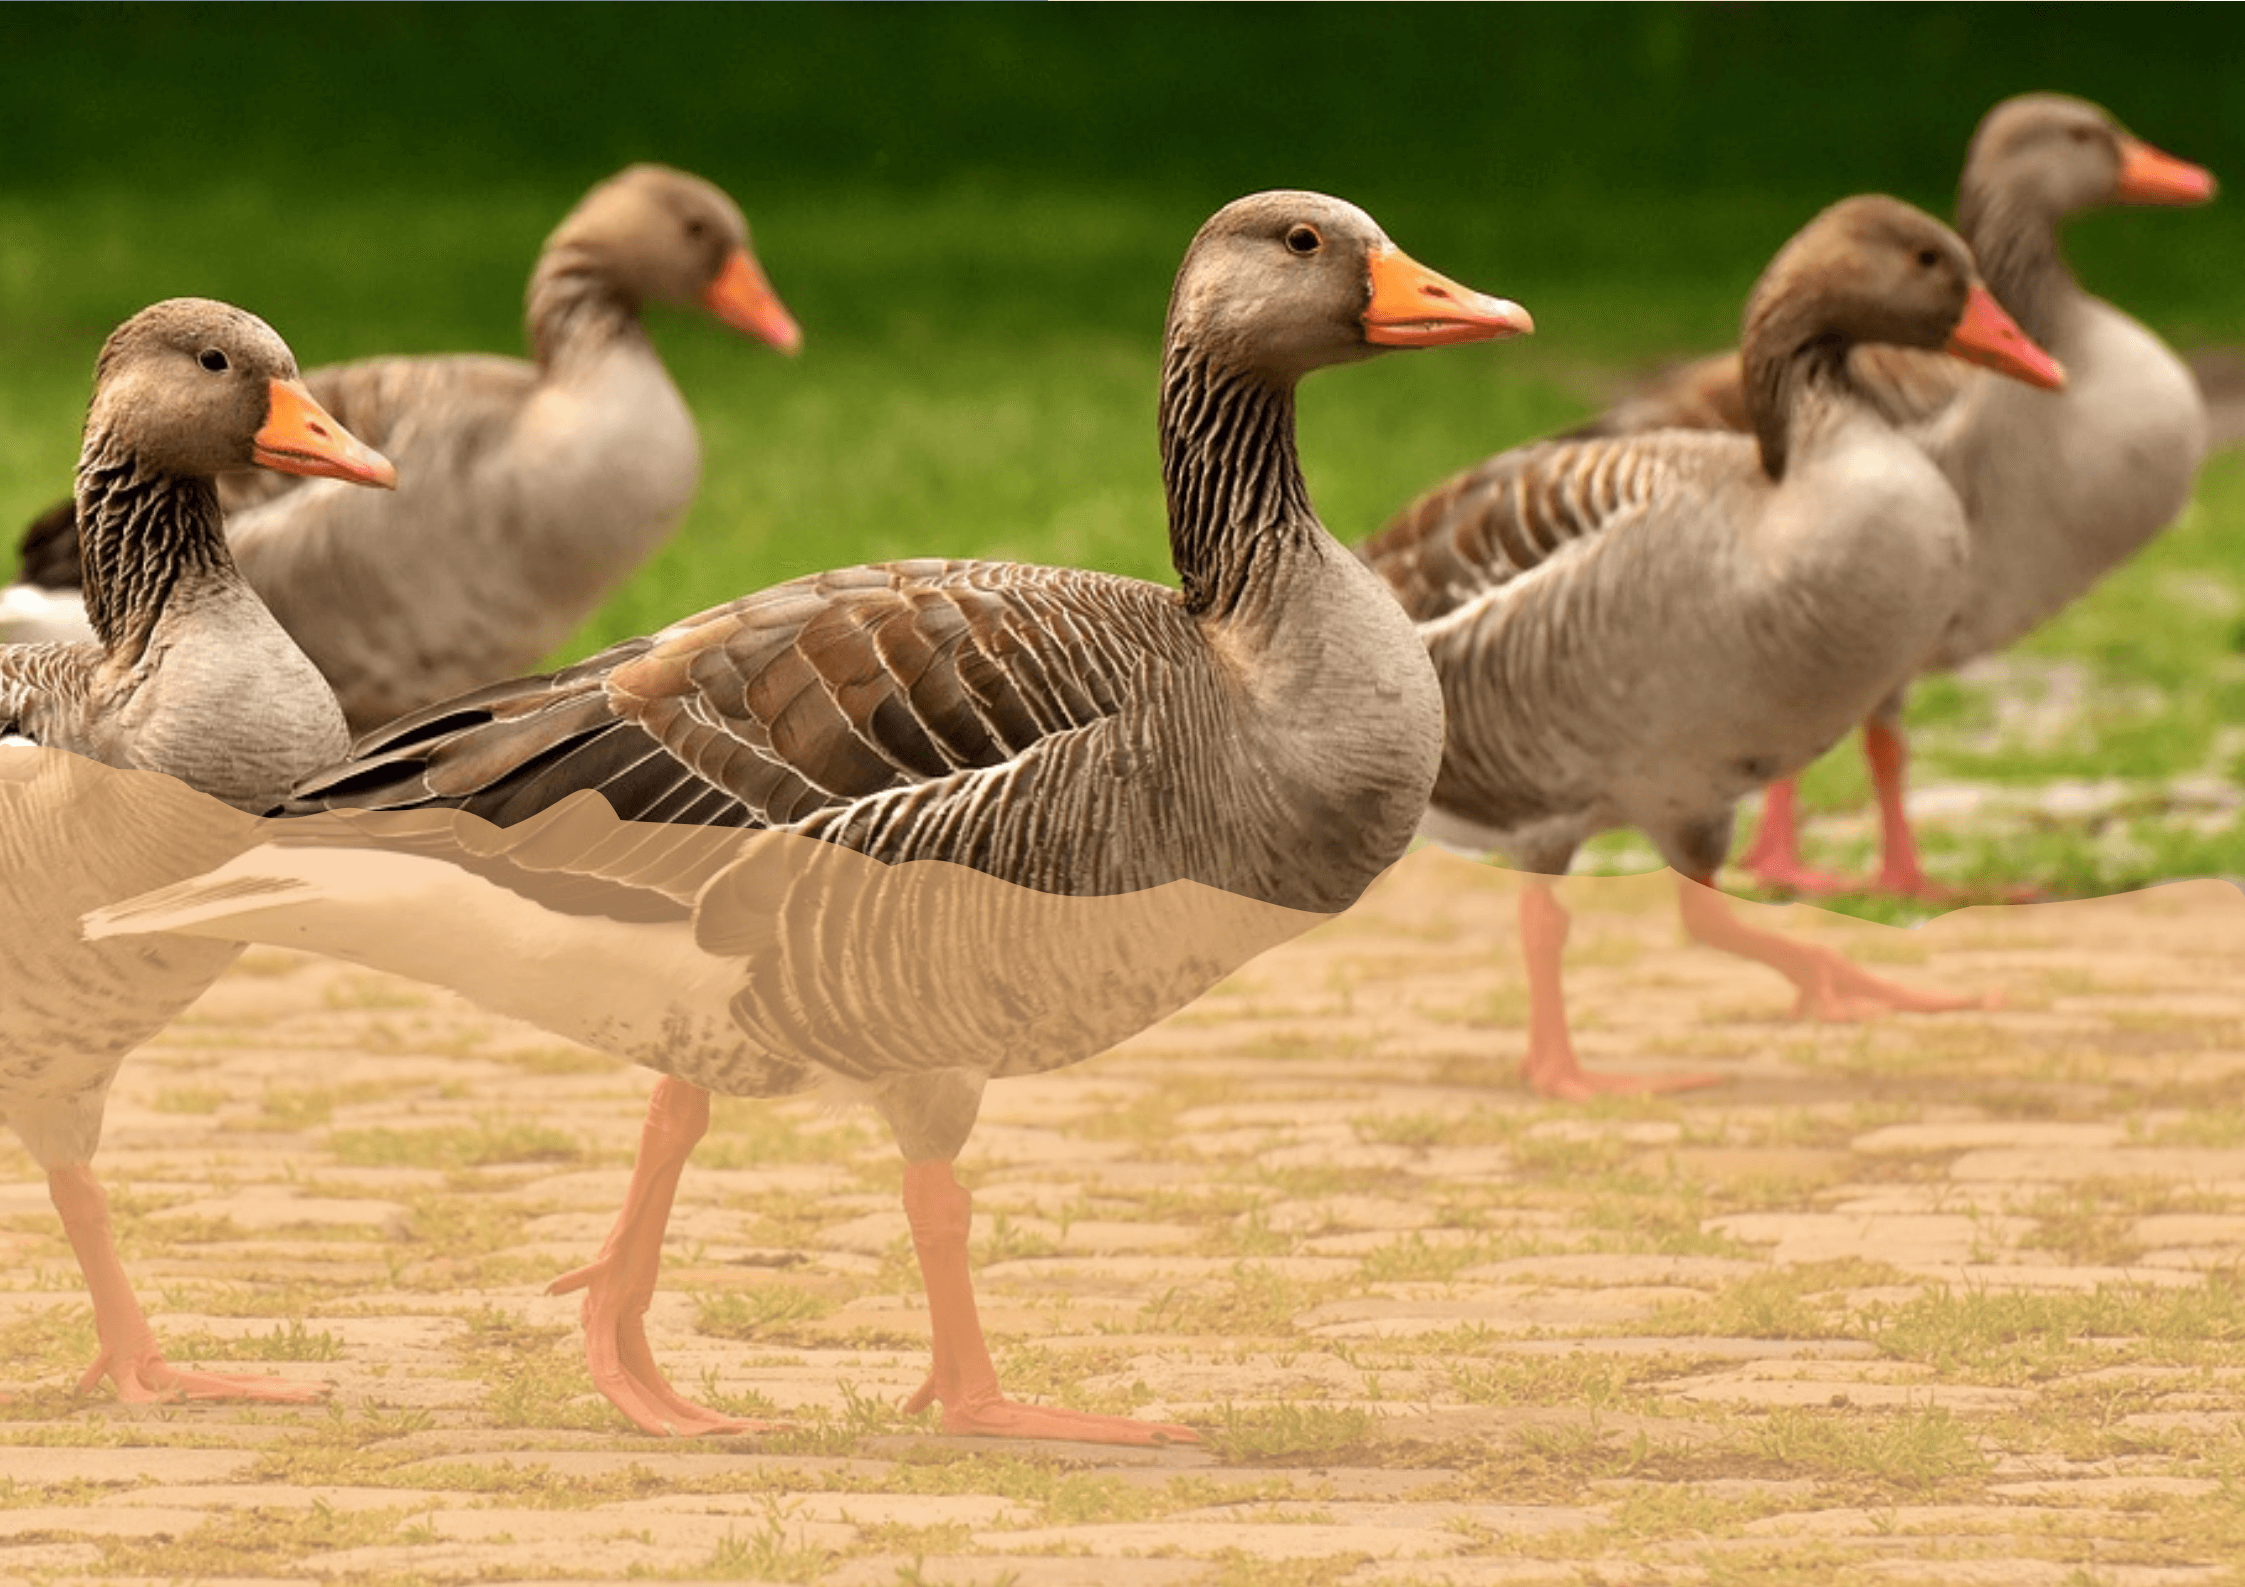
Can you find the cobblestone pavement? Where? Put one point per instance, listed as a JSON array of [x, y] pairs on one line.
[[1944, 1299]]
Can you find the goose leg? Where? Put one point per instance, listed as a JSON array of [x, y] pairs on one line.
[[1551, 1066], [1830, 986], [130, 1357], [964, 1380], [1887, 748], [619, 1283], [1774, 856]]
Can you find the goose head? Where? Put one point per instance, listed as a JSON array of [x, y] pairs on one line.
[[2057, 156], [194, 388], [666, 236], [1278, 284], [1874, 269]]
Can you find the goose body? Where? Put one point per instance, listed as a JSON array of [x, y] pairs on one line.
[[1681, 645], [1265, 736], [2059, 488], [528, 491], [189, 678], [1639, 630]]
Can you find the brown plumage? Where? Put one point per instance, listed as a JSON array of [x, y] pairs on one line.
[[1638, 631], [1074, 741], [189, 677], [528, 491]]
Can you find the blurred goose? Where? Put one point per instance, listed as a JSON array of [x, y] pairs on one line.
[[188, 676], [529, 491], [1638, 631], [1268, 733], [2058, 489]]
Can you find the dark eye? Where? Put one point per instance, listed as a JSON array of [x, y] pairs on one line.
[[697, 228], [1304, 240], [213, 360], [2081, 134], [1928, 258]]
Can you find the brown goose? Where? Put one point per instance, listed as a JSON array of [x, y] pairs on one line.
[[2059, 489], [1268, 733], [1638, 631], [189, 677], [529, 491]]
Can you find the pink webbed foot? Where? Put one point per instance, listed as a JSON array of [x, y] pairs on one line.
[[985, 1412], [143, 1377], [619, 1283], [1836, 989], [622, 1363], [1564, 1079]]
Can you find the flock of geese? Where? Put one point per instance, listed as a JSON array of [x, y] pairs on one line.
[[691, 849]]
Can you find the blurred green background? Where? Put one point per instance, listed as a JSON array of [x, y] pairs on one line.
[[975, 211]]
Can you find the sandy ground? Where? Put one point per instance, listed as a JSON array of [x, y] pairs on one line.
[[1943, 1298]]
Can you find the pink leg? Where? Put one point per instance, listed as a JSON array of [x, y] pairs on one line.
[[619, 1283], [129, 1355], [1900, 872], [1774, 857], [963, 1379], [1830, 987], [1551, 1066]]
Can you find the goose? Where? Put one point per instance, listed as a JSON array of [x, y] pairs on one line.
[[1637, 631], [206, 712], [530, 491], [2059, 488], [1265, 734]]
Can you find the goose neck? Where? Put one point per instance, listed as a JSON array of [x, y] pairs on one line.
[[576, 310], [1796, 377], [143, 537], [2015, 244], [1237, 499]]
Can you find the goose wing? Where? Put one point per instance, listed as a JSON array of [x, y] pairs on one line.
[[46, 691], [1487, 526], [802, 699]]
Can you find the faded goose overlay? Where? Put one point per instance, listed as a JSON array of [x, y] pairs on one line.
[[751, 963]]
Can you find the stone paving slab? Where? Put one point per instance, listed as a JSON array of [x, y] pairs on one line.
[[1930, 1299]]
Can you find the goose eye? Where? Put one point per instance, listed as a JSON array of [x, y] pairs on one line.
[[1304, 240], [2081, 134], [1928, 258], [213, 360], [697, 228]]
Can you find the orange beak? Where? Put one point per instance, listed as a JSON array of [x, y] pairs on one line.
[[300, 438], [743, 299], [1992, 339], [2150, 177], [1413, 307]]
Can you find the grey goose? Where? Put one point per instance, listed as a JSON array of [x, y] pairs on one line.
[[2059, 488], [1266, 735], [1640, 630], [189, 707], [529, 491]]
